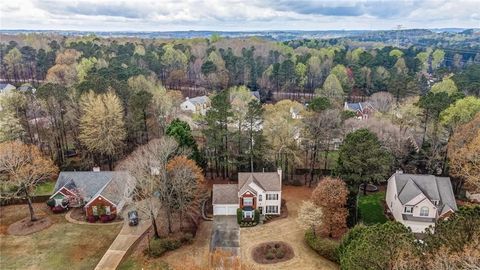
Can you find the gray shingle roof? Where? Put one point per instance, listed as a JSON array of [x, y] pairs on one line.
[[89, 184], [5, 87], [269, 181], [433, 187], [225, 194], [199, 100]]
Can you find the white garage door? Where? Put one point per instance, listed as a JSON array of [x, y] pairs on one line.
[[225, 210]]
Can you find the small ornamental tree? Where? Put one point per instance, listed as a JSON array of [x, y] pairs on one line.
[[22, 167], [310, 216], [331, 196]]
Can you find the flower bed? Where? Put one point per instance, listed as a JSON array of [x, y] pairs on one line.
[[248, 223], [272, 252]]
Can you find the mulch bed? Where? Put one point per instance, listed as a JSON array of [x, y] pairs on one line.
[[78, 214], [279, 252], [26, 226]]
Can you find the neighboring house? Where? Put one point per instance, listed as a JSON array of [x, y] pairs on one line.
[[198, 105], [27, 89], [255, 94], [418, 201], [362, 109], [6, 87], [262, 191], [99, 193], [295, 113]]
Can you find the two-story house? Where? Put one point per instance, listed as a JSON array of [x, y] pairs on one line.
[[418, 201], [259, 190], [197, 105]]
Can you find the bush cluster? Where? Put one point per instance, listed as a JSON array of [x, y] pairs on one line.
[[324, 246], [276, 251], [160, 246], [248, 223]]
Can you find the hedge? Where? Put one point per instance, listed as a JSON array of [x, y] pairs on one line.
[[323, 246], [239, 215]]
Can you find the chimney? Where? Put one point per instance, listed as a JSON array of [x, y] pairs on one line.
[[96, 169], [279, 171]]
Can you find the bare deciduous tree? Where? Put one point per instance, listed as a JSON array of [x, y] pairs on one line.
[[382, 101], [22, 167]]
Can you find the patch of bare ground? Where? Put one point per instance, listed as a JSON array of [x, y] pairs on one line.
[[26, 226]]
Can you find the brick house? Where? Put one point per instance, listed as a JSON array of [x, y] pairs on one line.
[[99, 193]]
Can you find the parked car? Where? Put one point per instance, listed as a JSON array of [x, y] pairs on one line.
[[133, 218]]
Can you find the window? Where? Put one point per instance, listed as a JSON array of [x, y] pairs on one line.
[[435, 203], [260, 209], [248, 201], [248, 214], [260, 197], [272, 197], [272, 209], [408, 209], [95, 210], [424, 211], [107, 210]]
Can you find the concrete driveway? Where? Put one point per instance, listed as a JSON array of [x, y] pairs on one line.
[[225, 235]]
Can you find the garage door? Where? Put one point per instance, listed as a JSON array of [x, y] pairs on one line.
[[225, 210]]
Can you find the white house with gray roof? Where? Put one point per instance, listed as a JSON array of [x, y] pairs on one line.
[[198, 105], [259, 190], [418, 201]]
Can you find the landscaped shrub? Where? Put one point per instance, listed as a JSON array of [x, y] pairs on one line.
[[280, 253], [160, 246], [257, 216], [51, 202], [92, 219], [187, 238], [324, 246], [239, 215], [156, 248], [270, 255]]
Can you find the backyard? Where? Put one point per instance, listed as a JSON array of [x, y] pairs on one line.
[[370, 207], [60, 246]]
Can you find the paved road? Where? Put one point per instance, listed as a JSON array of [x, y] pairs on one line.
[[225, 235], [125, 239]]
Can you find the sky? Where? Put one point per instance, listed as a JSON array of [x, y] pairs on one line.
[[235, 15]]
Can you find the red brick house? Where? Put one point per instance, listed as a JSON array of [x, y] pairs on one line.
[[99, 193], [362, 109]]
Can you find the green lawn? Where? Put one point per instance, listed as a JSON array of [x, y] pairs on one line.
[[61, 246], [371, 208], [332, 159], [45, 188]]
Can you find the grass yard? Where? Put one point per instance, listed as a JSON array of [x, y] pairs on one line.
[[332, 159], [45, 188], [61, 246], [371, 208]]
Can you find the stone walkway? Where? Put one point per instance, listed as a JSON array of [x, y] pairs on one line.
[[125, 239]]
